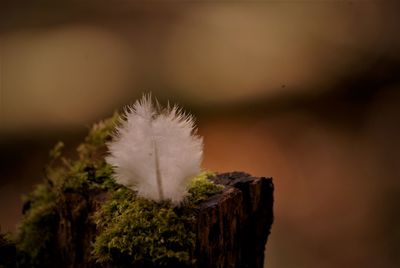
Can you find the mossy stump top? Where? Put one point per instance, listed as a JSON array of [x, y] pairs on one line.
[[80, 217]]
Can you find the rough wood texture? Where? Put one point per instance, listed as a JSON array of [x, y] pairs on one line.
[[232, 227], [76, 229]]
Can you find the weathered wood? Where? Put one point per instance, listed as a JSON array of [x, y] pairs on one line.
[[231, 227]]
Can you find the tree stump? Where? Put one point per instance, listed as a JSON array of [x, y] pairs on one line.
[[231, 227]]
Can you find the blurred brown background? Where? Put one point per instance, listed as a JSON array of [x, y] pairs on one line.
[[305, 91]]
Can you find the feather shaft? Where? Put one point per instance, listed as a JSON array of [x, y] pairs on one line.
[[158, 172]]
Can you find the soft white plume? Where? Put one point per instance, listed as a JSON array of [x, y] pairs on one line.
[[156, 151]]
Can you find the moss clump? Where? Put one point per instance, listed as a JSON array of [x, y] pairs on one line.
[[36, 239], [200, 188], [130, 229], [137, 230]]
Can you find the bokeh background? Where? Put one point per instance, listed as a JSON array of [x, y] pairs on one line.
[[305, 91]]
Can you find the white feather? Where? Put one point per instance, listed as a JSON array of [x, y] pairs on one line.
[[156, 151]]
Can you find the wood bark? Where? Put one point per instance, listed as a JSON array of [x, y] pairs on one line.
[[231, 227]]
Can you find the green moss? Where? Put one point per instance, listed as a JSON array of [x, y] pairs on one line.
[[130, 229], [94, 146], [135, 229], [201, 188], [36, 235]]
